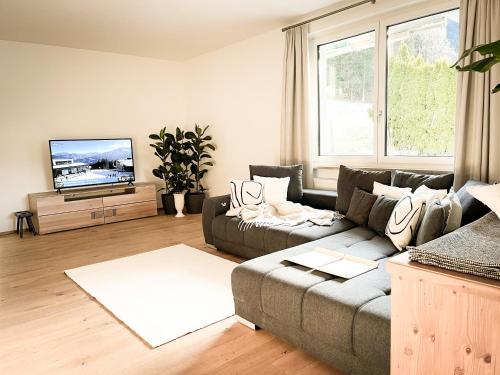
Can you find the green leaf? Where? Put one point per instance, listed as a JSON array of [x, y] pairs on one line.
[[190, 135], [496, 89], [211, 146], [207, 138], [484, 49], [154, 136], [479, 66], [157, 173]]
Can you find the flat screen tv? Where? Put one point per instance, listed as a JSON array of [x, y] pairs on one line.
[[84, 162]]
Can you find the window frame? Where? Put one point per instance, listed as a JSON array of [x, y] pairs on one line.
[[379, 25]]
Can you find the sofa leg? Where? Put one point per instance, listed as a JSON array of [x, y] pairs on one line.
[[247, 323], [210, 246]]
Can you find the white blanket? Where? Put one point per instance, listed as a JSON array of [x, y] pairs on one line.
[[284, 213]]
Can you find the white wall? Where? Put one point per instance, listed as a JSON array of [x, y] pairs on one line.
[[52, 92], [237, 90]]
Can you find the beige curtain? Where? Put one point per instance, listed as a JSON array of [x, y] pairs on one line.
[[477, 146], [294, 109]]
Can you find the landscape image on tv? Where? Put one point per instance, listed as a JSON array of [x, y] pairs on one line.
[[91, 162]]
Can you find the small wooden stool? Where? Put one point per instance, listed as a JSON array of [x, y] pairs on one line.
[[21, 215]]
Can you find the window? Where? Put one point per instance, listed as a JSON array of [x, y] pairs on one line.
[[387, 95], [346, 91], [421, 86]]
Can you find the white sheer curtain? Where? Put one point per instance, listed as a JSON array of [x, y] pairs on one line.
[[477, 135], [294, 110]]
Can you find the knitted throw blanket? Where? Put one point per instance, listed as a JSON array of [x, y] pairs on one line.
[[473, 249]]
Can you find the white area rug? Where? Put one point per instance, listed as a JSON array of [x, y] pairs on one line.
[[162, 294]]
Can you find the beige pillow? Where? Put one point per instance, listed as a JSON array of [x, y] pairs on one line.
[[393, 192]]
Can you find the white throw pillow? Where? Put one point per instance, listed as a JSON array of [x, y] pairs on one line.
[[404, 220], [393, 192], [275, 189], [487, 194], [244, 193], [429, 194]]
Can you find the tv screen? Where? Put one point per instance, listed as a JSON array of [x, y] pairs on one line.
[[84, 162]]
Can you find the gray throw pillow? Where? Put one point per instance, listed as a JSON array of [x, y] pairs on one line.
[[472, 209], [433, 223], [455, 217], [352, 178], [295, 189], [360, 206], [381, 213], [415, 180]]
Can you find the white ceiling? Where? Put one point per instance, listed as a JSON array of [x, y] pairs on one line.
[[166, 29]]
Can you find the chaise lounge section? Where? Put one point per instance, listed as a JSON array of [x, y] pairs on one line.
[[345, 323]]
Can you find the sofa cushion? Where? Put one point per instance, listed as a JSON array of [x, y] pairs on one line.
[[294, 193], [358, 241], [372, 331], [414, 180], [472, 209], [282, 291], [270, 239], [351, 178], [360, 206], [329, 310]]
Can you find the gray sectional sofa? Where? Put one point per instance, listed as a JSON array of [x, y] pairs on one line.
[[345, 323]]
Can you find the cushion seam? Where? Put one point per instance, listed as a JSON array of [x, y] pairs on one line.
[[356, 317]]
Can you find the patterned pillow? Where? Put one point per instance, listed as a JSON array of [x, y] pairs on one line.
[[403, 223], [244, 193]]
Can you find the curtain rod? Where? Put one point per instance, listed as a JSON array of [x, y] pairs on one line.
[[329, 14]]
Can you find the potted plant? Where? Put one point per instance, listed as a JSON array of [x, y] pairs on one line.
[[179, 175], [163, 149], [199, 147]]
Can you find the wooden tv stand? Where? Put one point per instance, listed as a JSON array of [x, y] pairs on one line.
[[54, 212]]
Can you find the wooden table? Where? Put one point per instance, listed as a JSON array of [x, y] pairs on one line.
[[443, 322]]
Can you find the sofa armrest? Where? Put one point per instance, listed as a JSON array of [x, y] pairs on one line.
[[212, 207], [321, 199]]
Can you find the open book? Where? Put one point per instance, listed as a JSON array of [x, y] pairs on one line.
[[333, 262]]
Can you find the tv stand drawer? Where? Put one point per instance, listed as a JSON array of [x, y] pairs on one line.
[[129, 211], [70, 220], [57, 205]]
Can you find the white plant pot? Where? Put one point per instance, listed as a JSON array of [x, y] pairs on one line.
[[179, 204]]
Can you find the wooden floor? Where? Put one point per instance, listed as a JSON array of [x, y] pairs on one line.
[[50, 326]]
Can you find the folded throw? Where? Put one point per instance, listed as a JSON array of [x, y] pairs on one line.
[[473, 249], [284, 213]]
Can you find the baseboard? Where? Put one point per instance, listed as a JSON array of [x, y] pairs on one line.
[[246, 323], [7, 232]]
